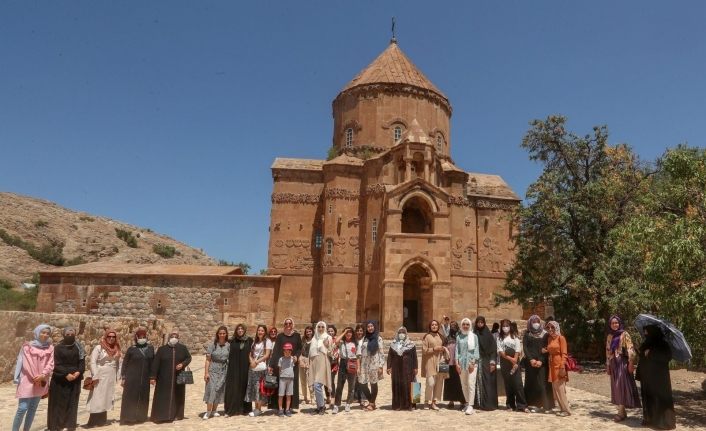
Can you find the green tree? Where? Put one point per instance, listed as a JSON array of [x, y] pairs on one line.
[[586, 189], [245, 267]]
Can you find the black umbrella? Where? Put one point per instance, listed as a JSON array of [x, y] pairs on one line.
[[680, 348]]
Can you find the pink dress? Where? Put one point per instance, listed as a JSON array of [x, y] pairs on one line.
[[35, 362]]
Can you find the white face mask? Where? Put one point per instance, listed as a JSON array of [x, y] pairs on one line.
[[142, 341], [506, 329], [173, 341], [535, 325], [403, 337]]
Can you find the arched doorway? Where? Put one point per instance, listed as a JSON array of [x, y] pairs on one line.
[[416, 298], [417, 216]]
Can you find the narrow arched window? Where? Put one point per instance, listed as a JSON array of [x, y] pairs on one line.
[[317, 239], [329, 246], [375, 230], [397, 133], [349, 138], [439, 143]]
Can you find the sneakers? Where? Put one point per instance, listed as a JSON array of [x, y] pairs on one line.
[[335, 409], [205, 416], [215, 415], [463, 409], [280, 413], [469, 410], [288, 413], [254, 413], [348, 408]]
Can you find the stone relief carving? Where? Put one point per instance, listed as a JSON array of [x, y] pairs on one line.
[[296, 255], [480, 203], [375, 189], [491, 257], [337, 193], [295, 198], [355, 221]]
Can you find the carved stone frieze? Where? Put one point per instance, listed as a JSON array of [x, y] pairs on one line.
[[481, 203], [375, 189], [295, 198], [337, 193]]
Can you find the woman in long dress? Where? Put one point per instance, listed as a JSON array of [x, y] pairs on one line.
[[259, 355], [288, 335], [402, 366], [65, 387], [656, 386], [320, 365], [453, 391], [105, 363], [237, 373], [217, 354], [433, 351], [620, 366], [169, 397], [135, 380], [538, 392], [558, 353], [34, 367], [372, 361], [304, 387], [486, 385], [509, 350]]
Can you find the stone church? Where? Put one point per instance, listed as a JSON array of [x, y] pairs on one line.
[[389, 228]]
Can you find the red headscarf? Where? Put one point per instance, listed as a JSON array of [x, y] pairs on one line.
[[114, 350]]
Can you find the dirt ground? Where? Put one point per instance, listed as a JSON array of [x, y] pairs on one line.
[[689, 397]]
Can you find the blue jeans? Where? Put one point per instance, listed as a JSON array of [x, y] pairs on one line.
[[319, 394], [28, 406]]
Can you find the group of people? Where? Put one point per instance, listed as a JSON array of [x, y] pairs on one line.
[[280, 370]]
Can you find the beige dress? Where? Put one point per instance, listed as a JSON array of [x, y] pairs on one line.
[[430, 358], [319, 365]]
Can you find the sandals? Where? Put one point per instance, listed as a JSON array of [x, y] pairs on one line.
[[618, 418], [370, 407]]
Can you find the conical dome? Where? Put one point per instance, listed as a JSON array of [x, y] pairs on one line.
[[392, 66]]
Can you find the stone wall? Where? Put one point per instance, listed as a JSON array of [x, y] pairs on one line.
[[17, 327]]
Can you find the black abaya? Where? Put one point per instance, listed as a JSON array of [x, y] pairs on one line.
[[136, 390], [296, 341], [168, 401], [537, 392], [237, 378], [656, 386], [453, 391], [64, 394], [403, 372], [486, 385]]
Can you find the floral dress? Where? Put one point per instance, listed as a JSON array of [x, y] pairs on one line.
[[216, 386], [370, 364]]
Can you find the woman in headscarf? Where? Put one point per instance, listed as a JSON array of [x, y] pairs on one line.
[[466, 357], [320, 365], [237, 373], [169, 361], [105, 363], [65, 387], [558, 375], [135, 380], [217, 354], [538, 392], [288, 335], [453, 391], [304, 385], [372, 361], [656, 386], [433, 352], [402, 366], [35, 364], [486, 383], [509, 350], [620, 366]]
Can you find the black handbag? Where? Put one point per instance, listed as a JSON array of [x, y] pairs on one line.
[[185, 377], [270, 381]]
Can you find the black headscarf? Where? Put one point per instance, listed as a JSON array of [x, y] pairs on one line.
[[373, 345], [654, 337], [486, 340]]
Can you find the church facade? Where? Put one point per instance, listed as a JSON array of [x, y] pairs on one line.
[[389, 228]]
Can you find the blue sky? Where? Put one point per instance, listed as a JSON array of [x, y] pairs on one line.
[[168, 115]]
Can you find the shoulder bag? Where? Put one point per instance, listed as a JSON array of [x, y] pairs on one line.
[[185, 377]]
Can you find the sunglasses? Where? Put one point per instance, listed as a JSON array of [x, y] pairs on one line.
[[110, 336]]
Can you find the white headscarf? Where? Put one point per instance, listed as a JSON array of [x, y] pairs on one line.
[[469, 333], [317, 345]]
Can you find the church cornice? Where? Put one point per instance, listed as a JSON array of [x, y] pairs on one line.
[[372, 90], [484, 202]]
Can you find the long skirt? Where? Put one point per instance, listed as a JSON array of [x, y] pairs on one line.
[[63, 403], [252, 394], [486, 387], [452, 387], [623, 390], [538, 392]]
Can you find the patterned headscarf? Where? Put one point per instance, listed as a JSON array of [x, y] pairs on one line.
[[555, 325], [537, 333], [615, 342], [401, 346], [112, 350]]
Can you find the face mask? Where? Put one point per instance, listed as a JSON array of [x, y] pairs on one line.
[[142, 341], [403, 337], [70, 339], [173, 341], [506, 329], [535, 326]]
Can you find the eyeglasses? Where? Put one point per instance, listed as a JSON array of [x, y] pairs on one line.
[[287, 323]]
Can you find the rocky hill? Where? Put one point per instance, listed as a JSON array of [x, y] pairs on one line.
[[36, 235]]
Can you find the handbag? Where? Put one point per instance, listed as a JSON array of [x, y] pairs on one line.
[[264, 390], [270, 381], [89, 383], [185, 377], [352, 366]]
